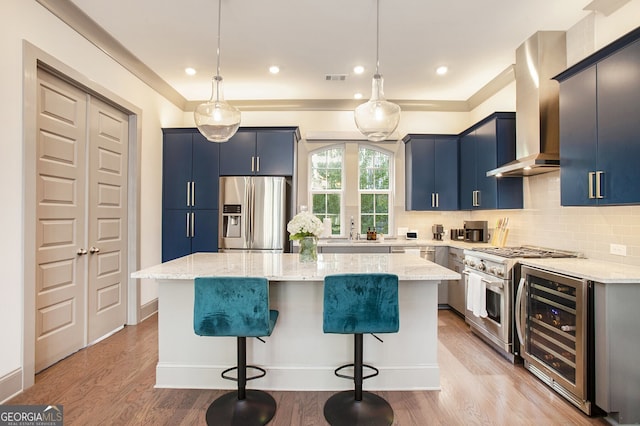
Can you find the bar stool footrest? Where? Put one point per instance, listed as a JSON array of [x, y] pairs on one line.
[[235, 379], [375, 373]]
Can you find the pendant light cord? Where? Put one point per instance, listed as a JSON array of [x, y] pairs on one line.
[[377, 36], [218, 51]]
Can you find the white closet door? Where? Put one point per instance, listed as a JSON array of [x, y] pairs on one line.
[[61, 205], [107, 236]]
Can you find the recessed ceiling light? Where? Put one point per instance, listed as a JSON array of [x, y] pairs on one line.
[[357, 96], [442, 70], [274, 69], [358, 69], [190, 71]]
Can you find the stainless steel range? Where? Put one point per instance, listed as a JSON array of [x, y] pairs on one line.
[[490, 274]]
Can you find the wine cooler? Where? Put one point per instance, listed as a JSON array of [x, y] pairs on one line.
[[552, 322]]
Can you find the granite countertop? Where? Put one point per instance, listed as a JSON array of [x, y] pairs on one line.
[[590, 269], [287, 267]]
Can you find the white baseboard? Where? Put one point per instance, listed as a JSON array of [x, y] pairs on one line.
[[425, 377], [10, 385], [148, 309]]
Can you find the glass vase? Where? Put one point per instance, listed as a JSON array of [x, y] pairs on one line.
[[308, 249]]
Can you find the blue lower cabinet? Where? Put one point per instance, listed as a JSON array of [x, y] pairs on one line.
[[188, 231]]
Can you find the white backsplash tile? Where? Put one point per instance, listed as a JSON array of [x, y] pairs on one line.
[[544, 222]]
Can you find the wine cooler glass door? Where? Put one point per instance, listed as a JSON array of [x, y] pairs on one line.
[[554, 327]]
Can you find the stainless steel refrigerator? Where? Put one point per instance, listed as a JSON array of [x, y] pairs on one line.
[[253, 213]]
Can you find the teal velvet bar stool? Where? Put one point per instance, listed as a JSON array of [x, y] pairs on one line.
[[239, 307], [358, 304]]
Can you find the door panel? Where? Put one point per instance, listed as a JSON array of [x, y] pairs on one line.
[[107, 236], [60, 228]]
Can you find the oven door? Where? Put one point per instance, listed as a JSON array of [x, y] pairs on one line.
[[496, 326]]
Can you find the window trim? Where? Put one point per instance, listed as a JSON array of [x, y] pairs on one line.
[[390, 192]]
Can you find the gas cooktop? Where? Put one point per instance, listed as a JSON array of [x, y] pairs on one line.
[[525, 252]]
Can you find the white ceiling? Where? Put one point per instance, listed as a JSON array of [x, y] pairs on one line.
[[308, 39]]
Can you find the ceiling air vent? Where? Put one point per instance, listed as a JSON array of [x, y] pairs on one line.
[[335, 77]]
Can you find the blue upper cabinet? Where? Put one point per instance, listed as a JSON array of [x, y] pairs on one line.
[[599, 127], [483, 147], [189, 170], [260, 151], [431, 172]]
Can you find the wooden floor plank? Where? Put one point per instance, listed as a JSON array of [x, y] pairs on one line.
[[112, 382]]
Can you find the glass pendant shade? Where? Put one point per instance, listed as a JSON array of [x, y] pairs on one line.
[[216, 119], [377, 118]]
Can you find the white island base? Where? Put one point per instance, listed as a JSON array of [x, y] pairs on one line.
[[298, 355]]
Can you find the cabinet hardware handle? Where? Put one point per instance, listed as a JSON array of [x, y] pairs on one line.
[[599, 184], [437, 199], [93, 250], [253, 162], [81, 252], [193, 193], [193, 224], [257, 164], [188, 227], [433, 199], [591, 177], [188, 194]]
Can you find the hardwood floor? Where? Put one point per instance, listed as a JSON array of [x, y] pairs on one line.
[[112, 383]]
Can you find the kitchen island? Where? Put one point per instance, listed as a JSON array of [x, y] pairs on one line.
[[298, 355]]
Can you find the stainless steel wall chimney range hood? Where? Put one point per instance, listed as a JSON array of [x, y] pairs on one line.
[[538, 59]]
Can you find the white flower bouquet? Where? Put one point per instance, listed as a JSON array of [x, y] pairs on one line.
[[304, 224]]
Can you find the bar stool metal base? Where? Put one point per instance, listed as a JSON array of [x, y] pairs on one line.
[[258, 408], [342, 409]]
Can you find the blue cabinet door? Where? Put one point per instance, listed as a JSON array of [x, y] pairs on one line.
[[237, 155], [618, 94], [205, 231], [486, 159], [445, 169], [205, 173], [274, 152], [419, 176], [176, 241], [467, 170], [578, 137], [176, 170]]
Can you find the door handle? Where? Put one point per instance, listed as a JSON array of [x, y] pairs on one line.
[[591, 177], [188, 194], [81, 252], [433, 199], [193, 193], [257, 164], [253, 163], [437, 199], [188, 225], [193, 224], [93, 250], [519, 310], [599, 175]]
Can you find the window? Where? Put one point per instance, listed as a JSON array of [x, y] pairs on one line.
[[374, 171], [326, 189], [352, 179]]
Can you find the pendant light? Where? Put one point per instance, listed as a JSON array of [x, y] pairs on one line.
[[377, 118], [216, 119]]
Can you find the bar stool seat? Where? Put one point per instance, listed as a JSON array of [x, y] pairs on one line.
[[359, 304], [239, 307]]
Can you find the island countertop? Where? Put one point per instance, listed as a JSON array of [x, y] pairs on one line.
[[287, 267]]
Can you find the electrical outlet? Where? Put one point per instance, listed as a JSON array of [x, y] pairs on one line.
[[619, 249]]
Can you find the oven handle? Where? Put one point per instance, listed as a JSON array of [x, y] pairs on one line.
[[519, 309], [495, 284]]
